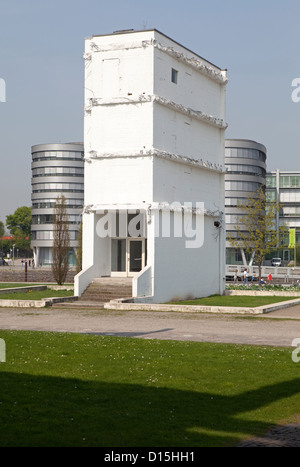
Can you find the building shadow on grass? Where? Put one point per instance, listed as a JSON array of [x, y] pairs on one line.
[[129, 333], [51, 411]]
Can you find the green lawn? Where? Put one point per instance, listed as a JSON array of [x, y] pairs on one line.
[[8, 285], [60, 389], [235, 300], [36, 295]]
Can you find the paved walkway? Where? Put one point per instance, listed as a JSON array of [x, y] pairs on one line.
[[286, 436], [278, 328]]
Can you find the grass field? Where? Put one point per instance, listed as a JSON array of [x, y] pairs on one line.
[[60, 389], [36, 295], [235, 300]]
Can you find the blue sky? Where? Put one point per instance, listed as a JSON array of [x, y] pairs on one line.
[[41, 48]]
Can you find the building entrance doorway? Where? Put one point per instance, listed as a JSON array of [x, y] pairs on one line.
[[128, 256], [128, 243], [135, 258]]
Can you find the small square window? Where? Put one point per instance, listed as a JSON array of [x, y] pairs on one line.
[[174, 76]]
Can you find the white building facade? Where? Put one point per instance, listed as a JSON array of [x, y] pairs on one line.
[[154, 167]]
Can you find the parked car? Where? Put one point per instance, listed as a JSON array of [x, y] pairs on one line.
[[276, 262]]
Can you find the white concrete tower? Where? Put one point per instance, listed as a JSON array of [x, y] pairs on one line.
[[154, 170]]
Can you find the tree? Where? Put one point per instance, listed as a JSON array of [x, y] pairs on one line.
[[2, 229], [256, 228], [78, 253], [22, 242], [19, 225], [20, 221], [61, 241]]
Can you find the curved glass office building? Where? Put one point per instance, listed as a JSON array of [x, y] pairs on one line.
[[245, 161], [57, 169]]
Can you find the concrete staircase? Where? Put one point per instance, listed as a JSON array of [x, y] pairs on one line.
[[104, 289]]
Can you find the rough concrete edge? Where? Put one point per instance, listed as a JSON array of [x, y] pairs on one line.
[[127, 306], [262, 293], [22, 303], [279, 305], [45, 302], [117, 305]]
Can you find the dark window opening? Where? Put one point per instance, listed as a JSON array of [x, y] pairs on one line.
[[174, 76]]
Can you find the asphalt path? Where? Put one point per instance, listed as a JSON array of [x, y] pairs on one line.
[[278, 328]]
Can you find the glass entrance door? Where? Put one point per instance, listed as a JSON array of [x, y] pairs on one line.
[[136, 255], [118, 256], [128, 256]]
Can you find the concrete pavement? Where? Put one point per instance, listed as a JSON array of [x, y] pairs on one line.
[[282, 436], [277, 328]]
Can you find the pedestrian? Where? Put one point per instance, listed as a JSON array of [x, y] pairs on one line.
[[235, 279], [269, 278], [246, 278]]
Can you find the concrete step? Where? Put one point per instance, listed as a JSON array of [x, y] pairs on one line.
[[107, 288], [82, 305], [101, 298], [111, 290]]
